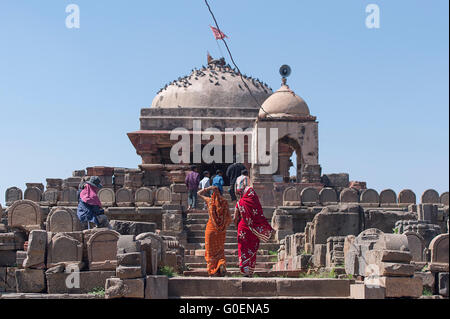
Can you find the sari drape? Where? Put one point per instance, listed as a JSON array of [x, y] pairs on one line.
[[252, 228], [215, 234]]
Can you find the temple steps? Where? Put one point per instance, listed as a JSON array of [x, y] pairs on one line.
[[201, 245], [231, 265], [201, 287], [229, 258], [201, 233], [202, 227], [201, 239], [228, 252]]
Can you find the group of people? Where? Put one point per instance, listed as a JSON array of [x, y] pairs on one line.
[[252, 227]]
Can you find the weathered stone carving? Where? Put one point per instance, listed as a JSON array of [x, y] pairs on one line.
[[25, 214], [144, 197], [62, 219], [102, 250]]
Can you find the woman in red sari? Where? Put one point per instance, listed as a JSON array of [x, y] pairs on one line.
[[252, 227]]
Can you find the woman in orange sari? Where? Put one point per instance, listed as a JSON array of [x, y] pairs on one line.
[[216, 229]]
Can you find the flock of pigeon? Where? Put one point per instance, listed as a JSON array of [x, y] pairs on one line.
[[216, 73]]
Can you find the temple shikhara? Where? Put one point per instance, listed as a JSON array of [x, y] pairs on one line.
[[357, 242]]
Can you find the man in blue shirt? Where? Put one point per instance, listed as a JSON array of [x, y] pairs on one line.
[[218, 181]]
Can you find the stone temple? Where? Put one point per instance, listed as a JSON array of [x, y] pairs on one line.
[[354, 241], [216, 96]]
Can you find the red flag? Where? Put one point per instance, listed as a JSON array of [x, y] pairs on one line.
[[219, 35]]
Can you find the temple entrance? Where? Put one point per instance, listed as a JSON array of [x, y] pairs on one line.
[[290, 164]]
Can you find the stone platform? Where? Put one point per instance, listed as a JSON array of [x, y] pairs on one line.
[[198, 287]]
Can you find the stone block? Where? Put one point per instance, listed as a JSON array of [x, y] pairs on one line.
[[25, 214], [392, 242], [10, 283], [336, 180], [178, 188], [132, 228], [130, 272], [393, 256], [349, 195], [388, 198], [416, 245], [128, 244], [258, 287], [2, 279], [153, 247], [102, 250], [74, 282], [361, 291], [144, 197], [369, 197], [65, 248], [163, 196], [317, 287], [328, 196], [202, 287], [427, 212], [124, 197], [397, 287], [30, 280], [36, 252], [319, 257], [439, 249], [443, 283], [33, 193], [309, 196], [406, 197], [428, 279], [355, 249], [156, 287], [7, 258], [69, 195], [430, 196], [131, 259], [389, 269], [12, 195], [172, 222], [107, 197], [125, 288], [63, 219]]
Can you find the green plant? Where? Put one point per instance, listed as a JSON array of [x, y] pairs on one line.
[[273, 253], [98, 291], [274, 259], [425, 268], [166, 271], [395, 230], [427, 292]]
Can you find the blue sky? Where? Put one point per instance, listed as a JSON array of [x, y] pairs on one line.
[[69, 96]]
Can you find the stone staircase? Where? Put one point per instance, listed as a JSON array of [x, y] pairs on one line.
[[255, 288], [195, 225]]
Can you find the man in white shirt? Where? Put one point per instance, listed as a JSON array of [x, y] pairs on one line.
[[205, 183]]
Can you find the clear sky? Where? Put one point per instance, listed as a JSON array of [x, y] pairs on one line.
[[69, 96]]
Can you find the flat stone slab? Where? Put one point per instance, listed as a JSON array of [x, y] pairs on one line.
[[258, 287]]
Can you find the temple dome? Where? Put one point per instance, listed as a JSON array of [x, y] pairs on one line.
[[216, 85], [284, 103]]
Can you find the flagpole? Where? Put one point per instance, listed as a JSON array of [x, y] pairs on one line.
[[220, 50]]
